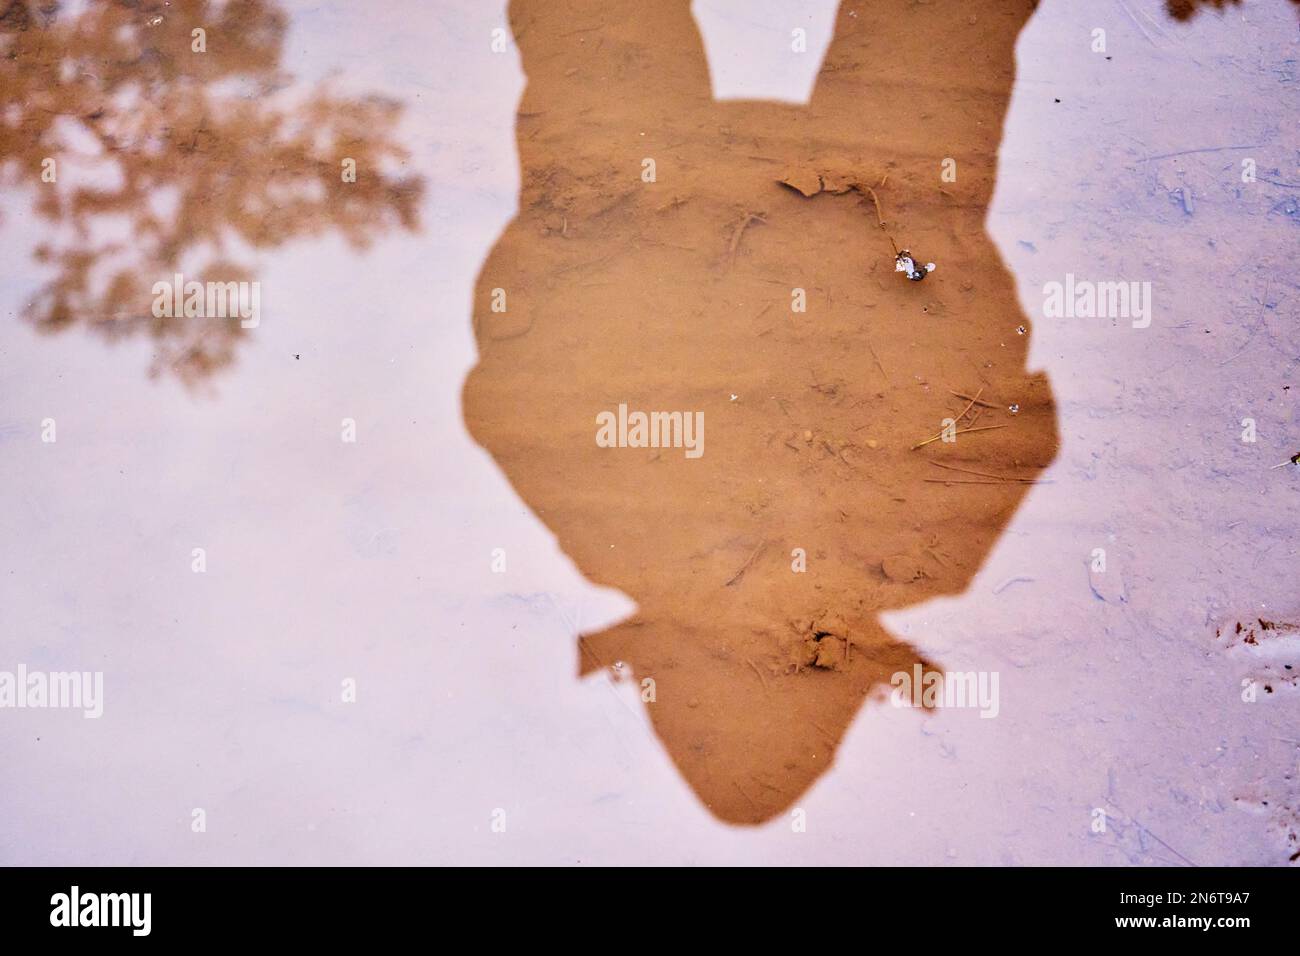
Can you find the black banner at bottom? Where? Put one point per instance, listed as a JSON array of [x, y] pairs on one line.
[[336, 905]]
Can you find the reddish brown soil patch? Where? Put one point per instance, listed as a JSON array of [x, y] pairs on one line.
[[676, 295]]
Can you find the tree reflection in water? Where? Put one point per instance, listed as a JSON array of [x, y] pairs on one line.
[[171, 160]]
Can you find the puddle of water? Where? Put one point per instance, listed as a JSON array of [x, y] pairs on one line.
[[678, 256], [371, 561]]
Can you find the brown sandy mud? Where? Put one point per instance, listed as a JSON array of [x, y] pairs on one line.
[[678, 291]]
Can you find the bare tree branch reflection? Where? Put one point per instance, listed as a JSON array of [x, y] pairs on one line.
[[1186, 9], [174, 160]]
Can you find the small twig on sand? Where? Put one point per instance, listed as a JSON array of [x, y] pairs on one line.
[[982, 474], [1259, 321], [960, 431], [972, 481], [585, 265], [740, 231], [837, 454], [976, 401], [878, 364], [1189, 152], [582, 646], [764, 784], [1010, 581], [970, 406], [745, 795], [1137, 823], [829, 736], [761, 678], [745, 567], [880, 216]]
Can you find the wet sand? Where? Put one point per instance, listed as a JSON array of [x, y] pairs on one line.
[[678, 294]]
